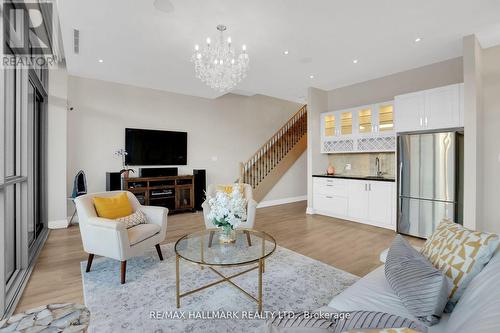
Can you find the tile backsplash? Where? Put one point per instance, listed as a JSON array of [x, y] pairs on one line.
[[363, 164]]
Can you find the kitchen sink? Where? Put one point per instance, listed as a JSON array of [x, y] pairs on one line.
[[375, 177]]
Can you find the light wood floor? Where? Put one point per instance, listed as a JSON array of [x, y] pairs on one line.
[[346, 245]]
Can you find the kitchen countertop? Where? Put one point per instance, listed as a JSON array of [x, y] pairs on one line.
[[358, 177]]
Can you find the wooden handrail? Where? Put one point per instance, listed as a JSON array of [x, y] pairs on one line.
[[303, 108], [266, 158]]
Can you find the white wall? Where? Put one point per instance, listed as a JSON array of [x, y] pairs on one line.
[[385, 88], [221, 132], [292, 185], [56, 147], [317, 100], [489, 163]]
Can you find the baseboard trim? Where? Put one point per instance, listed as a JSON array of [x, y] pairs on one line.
[[269, 203], [58, 224], [310, 211]]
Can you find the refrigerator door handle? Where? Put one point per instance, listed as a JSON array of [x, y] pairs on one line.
[[400, 179]]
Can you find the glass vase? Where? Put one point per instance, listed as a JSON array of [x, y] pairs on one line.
[[227, 235]]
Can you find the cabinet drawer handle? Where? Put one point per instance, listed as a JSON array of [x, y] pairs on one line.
[[329, 197], [369, 187], [329, 185]]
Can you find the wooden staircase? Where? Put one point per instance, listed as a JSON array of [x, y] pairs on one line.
[[271, 161]]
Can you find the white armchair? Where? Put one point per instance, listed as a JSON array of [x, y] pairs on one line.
[[251, 209], [111, 239]]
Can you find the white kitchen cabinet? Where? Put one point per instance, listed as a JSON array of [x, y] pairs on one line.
[[461, 105], [368, 128], [410, 110], [442, 107], [330, 196], [438, 108], [381, 202], [363, 201], [358, 199]]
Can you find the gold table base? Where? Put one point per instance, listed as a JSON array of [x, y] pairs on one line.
[[224, 278]]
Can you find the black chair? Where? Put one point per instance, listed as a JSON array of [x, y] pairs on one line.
[[79, 188]]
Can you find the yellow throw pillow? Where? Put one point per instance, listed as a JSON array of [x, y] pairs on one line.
[[228, 189], [113, 207]]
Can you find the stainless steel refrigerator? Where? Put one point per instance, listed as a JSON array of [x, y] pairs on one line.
[[429, 181]]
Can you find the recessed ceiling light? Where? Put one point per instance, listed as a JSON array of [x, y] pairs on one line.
[[285, 52], [418, 39], [311, 76], [355, 61], [101, 61]]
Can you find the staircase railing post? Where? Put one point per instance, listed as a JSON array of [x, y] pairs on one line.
[[242, 173]]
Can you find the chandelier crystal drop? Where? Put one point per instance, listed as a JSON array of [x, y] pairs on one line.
[[218, 65]]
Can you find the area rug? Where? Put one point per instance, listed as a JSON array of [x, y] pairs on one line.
[[146, 303]]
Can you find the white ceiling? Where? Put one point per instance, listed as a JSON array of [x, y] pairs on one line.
[[145, 47]]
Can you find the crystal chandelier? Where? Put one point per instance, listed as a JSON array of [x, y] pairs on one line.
[[218, 65]]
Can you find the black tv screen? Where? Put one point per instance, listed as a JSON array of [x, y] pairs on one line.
[[152, 147]]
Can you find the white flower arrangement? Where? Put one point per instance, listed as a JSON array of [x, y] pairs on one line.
[[228, 211]]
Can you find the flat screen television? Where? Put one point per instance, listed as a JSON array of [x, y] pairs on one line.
[[152, 147]]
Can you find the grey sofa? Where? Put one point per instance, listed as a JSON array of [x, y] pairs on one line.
[[478, 310]]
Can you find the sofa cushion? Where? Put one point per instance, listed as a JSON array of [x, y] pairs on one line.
[[141, 232], [373, 293], [299, 323], [373, 320], [113, 207], [338, 322], [422, 288], [133, 219], [478, 310], [460, 253]]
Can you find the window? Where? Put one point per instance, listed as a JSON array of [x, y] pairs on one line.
[[22, 188]]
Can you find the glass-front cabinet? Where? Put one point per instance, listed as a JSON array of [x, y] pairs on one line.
[[364, 128], [346, 123], [336, 123], [385, 121], [365, 120], [329, 125]]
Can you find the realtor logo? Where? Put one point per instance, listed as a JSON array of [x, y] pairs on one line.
[[28, 27]]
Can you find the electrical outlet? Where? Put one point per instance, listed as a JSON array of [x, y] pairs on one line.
[[348, 166]]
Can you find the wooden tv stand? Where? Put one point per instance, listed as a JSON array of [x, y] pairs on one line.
[[174, 192]]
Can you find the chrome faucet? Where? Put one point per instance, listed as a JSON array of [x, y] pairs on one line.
[[377, 164]]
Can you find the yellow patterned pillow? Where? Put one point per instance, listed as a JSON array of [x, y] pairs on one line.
[[228, 189], [133, 219], [460, 253]]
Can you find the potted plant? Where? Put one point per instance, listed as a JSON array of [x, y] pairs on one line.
[[227, 212], [125, 171]]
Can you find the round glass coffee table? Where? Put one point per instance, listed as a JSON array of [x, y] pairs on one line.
[[206, 249]]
